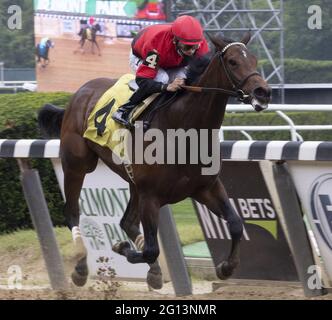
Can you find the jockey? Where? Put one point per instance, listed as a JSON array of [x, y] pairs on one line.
[[91, 21], [159, 56], [46, 42]]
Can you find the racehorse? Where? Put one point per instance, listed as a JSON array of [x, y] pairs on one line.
[[231, 70], [42, 51], [89, 34]]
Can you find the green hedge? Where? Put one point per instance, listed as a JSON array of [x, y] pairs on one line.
[[18, 121], [303, 71]]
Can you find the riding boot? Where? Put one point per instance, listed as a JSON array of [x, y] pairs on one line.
[[122, 114]]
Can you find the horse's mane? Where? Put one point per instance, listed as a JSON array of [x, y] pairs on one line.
[[197, 66]]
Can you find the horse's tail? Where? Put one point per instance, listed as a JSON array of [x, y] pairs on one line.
[[50, 120]]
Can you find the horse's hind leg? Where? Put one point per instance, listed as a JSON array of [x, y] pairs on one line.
[[75, 168], [130, 224], [216, 200]]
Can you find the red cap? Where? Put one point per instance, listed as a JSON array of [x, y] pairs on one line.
[[187, 30]]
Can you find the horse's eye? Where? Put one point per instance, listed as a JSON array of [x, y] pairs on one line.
[[232, 62]]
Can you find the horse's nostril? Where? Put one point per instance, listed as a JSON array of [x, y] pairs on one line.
[[261, 92]]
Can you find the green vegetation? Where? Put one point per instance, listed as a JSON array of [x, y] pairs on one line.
[[187, 223], [304, 71], [18, 121]]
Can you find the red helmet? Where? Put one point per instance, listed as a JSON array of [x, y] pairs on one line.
[[187, 30]]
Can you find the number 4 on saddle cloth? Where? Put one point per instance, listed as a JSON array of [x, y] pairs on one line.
[[101, 128]]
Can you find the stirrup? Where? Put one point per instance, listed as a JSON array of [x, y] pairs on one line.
[[122, 121]]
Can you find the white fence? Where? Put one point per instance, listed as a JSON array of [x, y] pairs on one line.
[[280, 111], [18, 85]]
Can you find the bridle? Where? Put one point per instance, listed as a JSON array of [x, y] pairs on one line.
[[237, 85]]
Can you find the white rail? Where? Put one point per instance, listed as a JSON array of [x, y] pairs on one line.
[[14, 85], [281, 107], [279, 110]]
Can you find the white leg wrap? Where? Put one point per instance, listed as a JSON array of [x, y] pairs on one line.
[[79, 248], [76, 233], [139, 242]]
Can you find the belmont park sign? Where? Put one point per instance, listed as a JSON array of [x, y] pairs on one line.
[[89, 7], [103, 201]]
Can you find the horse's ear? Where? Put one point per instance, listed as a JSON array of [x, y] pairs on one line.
[[217, 42], [246, 38]]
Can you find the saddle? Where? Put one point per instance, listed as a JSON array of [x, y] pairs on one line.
[[101, 128], [89, 34]]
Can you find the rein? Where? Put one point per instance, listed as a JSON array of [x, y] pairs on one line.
[[236, 84], [208, 89]]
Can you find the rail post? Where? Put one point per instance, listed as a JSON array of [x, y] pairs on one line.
[[35, 199]]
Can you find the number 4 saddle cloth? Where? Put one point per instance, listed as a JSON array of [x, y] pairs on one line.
[[102, 129]]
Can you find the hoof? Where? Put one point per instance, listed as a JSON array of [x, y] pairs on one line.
[[154, 280], [79, 280], [80, 274], [224, 270], [120, 246]]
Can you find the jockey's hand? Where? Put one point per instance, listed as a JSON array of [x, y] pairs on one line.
[[175, 85]]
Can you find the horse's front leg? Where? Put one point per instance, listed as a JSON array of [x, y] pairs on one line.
[[217, 201], [148, 213], [130, 224]]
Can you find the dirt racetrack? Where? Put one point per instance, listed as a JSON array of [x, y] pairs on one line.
[[35, 285], [139, 291], [67, 70]]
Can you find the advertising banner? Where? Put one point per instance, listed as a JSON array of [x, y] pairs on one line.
[[313, 181], [103, 200], [264, 250], [136, 9]]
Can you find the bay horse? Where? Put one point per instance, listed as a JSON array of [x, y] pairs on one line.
[[90, 34], [231, 69]]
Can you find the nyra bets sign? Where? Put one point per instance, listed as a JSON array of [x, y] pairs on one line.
[[264, 252], [103, 201], [313, 183]]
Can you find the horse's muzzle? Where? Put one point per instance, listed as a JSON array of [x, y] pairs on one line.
[[257, 105]]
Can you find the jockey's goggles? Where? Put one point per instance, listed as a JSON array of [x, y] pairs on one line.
[[188, 47]]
